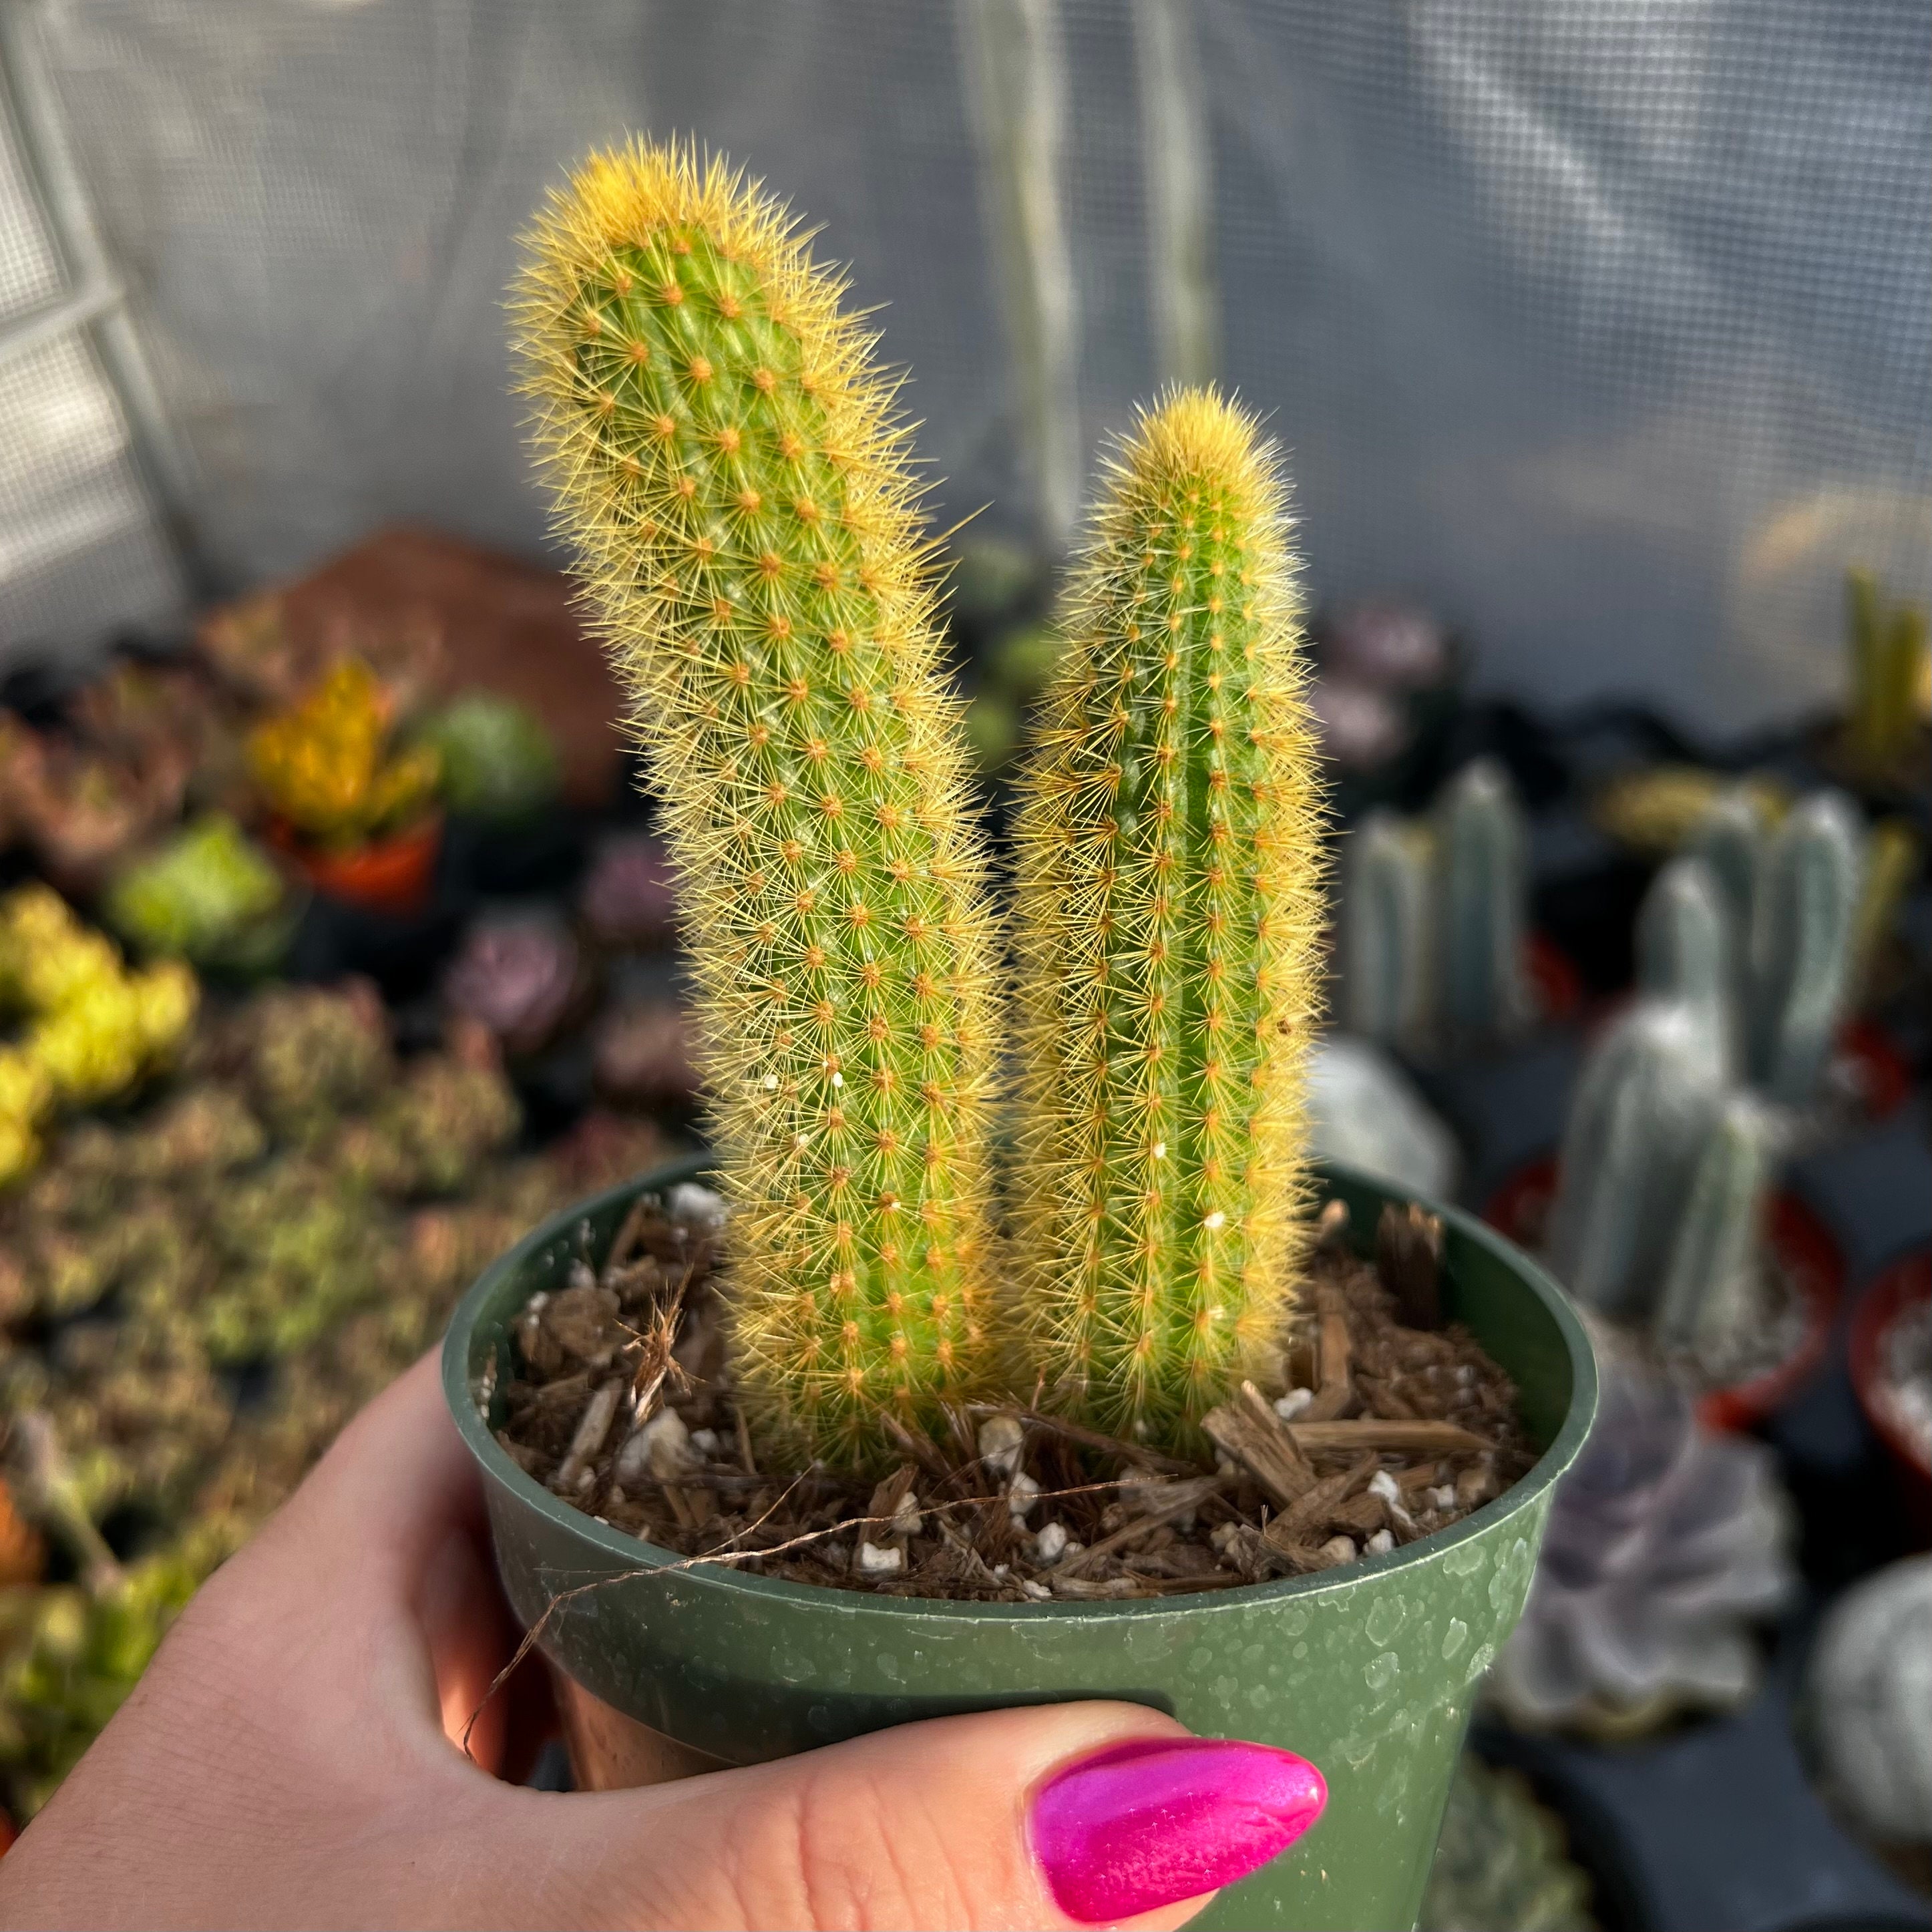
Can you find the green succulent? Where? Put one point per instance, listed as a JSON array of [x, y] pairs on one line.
[[498, 760]]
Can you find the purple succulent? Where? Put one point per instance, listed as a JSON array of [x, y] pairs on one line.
[[642, 1053], [1665, 1542], [1387, 647], [627, 900], [517, 977]]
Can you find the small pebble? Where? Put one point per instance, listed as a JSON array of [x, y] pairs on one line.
[[876, 1561], [1001, 1441], [1338, 1549], [1032, 1587], [1288, 1406], [662, 1448], [1049, 1545], [696, 1206], [1222, 1535], [1381, 1543], [1022, 1496], [1445, 1497], [1382, 1484], [906, 1516], [705, 1442]]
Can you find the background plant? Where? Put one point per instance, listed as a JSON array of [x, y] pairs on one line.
[[725, 459], [1167, 839]]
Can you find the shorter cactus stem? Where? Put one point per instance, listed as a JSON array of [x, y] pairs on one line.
[[1642, 1109], [1888, 651], [1683, 945], [1484, 875], [1385, 920], [1709, 1281], [1805, 939]]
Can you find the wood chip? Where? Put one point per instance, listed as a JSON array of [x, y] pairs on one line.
[[1398, 1439], [592, 1427], [1248, 1430], [1108, 1445], [1289, 1529], [1156, 1506], [1408, 1255]]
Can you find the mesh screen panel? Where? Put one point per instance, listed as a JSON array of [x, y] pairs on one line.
[[1602, 324]]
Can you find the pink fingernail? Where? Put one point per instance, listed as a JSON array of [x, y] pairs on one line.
[[1143, 1824]]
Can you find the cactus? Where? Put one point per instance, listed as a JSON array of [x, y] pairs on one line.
[[1786, 904], [1434, 921], [1643, 1111], [1385, 932], [1711, 1280], [1684, 948], [324, 766], [1890, 658], [1167, 839], [1804, 939], [1483, 881], [725, 458]]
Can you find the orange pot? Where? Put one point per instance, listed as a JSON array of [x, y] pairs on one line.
[[391, 875], [1520, 1209]]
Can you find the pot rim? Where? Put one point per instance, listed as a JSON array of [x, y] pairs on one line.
[[646, 1559]]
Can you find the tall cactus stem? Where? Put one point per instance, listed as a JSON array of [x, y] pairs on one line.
[[1642, 1109], [1483, 859], [1806, 939], [725, 458], [1710, 1287], [1168, 841], [1684, 942], [1386, 922]]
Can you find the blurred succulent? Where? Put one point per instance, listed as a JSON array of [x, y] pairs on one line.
[[629, 902], [519, 975], [1375, 657], [311, 1053], [447, 1119], [1869, 1702], [325, 767], [78, 807], [209, 893], [1435, 921], [497, 761], [1501, 1864], [1015, 668], [71, 1655], [1665, 1543], [1367, 1113], [641, 1054], [92, 1028]]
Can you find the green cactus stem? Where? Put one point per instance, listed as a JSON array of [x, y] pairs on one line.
[[1641, 1115], [1684, 952], [1710, 1287], [1889, 653], [1386, 940], [1807, 935], [1169, 838], [1483, 875], [725, 459]]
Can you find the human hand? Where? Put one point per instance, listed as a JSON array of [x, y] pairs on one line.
[[291, 1757]]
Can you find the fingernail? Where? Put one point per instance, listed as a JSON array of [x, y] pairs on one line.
[[1143, 1824]]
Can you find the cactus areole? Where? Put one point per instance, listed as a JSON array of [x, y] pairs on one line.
[[725, 456]]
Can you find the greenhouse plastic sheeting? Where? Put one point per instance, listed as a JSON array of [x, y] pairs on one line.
[[1600, 324]]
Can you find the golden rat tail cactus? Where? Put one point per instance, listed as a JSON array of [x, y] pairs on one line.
[[1169, 835], [725, 459]]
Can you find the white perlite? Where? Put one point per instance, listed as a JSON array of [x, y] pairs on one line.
[[1000, 1440], [661, 1448], [906, 1516], [696, 1206], [1049, 1545], [1022, 1496], [881, 1560], [1380, 1544], [1382, 1484], [1291, 1404]]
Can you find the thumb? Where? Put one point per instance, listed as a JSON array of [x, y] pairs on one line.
[[1073, 1814]]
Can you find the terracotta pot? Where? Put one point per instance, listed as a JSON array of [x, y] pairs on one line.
[[1905, 1284], [663, 1670], [1520, 1209], [391, 875]]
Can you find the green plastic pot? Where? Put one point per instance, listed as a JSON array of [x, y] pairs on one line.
[[1370, 1672]]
